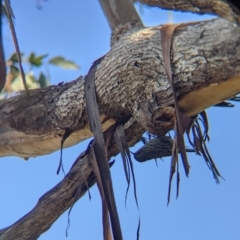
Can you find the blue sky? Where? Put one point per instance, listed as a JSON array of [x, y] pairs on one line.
[[78, 30]]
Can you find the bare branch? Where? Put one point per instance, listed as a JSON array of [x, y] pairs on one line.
[[2, 59], [119, 12], [129, 79], [57, 200], [222, 8]]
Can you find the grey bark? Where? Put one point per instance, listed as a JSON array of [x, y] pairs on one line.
[[205, 63], [119, 12], [57, 200], [222, 8], [131, 85]]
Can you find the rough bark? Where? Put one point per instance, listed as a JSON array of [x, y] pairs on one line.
[[57, 200], [130, 84], [129, 81], [226, 9]]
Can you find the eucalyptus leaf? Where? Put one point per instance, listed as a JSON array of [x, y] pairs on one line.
[[13, 57], [17, 85], [62, 62], [14, 70], [36, 60], [43, 82]]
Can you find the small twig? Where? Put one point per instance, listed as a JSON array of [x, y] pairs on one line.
[[2, 59], [10, 15]]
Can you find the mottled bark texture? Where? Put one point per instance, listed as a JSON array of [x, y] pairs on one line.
[[130, 81], [132, 87], [228, 9], [57, 200]]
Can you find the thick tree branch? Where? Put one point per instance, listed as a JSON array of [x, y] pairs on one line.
[[131, 84], [57, 200], [226, 9], [130, 80]]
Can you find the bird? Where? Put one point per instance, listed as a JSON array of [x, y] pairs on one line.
[[157, 147]]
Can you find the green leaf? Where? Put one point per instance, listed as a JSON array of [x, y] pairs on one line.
[[42, 80], [13, 58], [36, 61], [17, 85], [14, 70], [62, 62]]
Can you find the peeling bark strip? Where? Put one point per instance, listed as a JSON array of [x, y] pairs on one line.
[[205, 74], [205, 65], [64, 137], [166, 41], [199, 142], [62, 196], [101, 157], [121, 141], [184, 122], [131, 74], [178, 144], [105, 219], [2, 59]]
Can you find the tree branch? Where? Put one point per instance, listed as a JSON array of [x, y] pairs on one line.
[[129, 81], [57, 200], [119, 12], [2, 59], [130, 84], [225, 9]]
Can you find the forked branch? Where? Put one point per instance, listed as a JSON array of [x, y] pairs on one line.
[[57, 200], [119, 12]]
